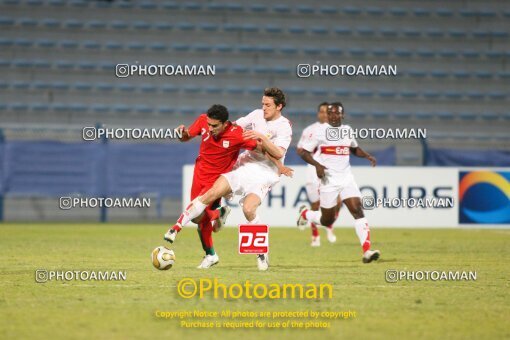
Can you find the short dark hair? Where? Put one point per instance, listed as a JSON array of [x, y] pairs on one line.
[[321, 105], [338, 105], [277, 95], [218, 112]]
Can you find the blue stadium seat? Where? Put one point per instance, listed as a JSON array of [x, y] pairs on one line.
[[495, 54], [497, 95], [253, 90], [40, 63], [504, 75], [78, 107], [148, 88], [408, 94], [163, 26], [403, 52], [375, 11], [312, 50], [95, 24], [80, 86], [35, 3], [141, 25], [192, 6], [448, 53], [4, 21], [170, 88], [425, 53], [445, 115], [398, 11], [91, 45], [103, 87], [343, 30], [453, 95], [266, 49], [22, 63], [388, 31], [143, 109], [357, 52], [475, 95], [40, 107], [86, 65], [4, 85], [224, 48], [247, 48], [434, 33], [121, 108], [181, 47], [209, 27], [136, 45], [298, 91], [229, 27], [487, 13], [191, 89], [421, 12], [469, 13], [402, 115], [126, 87], [351, 10], [21, 85], [157, 46], [107, 66], [281, 8], [456, 33], [444, 12], [483, 74], [304, 9], [380, 52], [235, 7], [165, 110], [202, 47], [342, 92], [411, 32], [19, 107], [119, 25], [461, 74], [366, 31], [70, 44], [297, 30], [57, 3], [213, 89], [234, 90], [431, 94], [46, 43], [289, 49], [147, 5], [124, 5], [387, 93], [439, 74], [481, 33], [470, 53], [258, 8], [364, 93], [60, 107], [23, 42], [490, 116], [250, 28], [64, 65], [27, 22], [271, 28], [319, 91], [113, 45], [170, 5], [333, 51], [328, 10], [73, 24], [188, 110], [260, 69], [42, 85], [319, 30], [6, 42], [380, 114], [499, 34]]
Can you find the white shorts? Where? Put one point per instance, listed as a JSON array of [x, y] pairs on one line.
[[312, 184], [345, 186], [251, 179]]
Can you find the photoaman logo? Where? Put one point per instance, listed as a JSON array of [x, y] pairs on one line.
[[484, 197]]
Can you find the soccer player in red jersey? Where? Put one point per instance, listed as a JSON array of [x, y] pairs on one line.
[[220, 146]]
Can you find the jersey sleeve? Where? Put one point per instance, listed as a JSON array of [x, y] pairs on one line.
[[249, 144], [246, 120], [354, 143], [311, 143], [284, 136], [195, 129]]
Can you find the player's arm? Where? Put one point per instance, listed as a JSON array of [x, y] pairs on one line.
[[185, 136], [359, 152], [319, 168], [282, 169], [194, 129]]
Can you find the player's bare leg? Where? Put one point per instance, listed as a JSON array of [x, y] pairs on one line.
[[316, 239], [329, 228], [219, 189], [362, 229], [250, 204]]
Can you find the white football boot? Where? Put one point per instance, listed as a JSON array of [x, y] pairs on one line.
[[301, 221], [263, 262], [209, 261], [220, 222], [316, 241], [371, 255], [331, 235]]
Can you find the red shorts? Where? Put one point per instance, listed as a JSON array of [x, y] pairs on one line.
[[199, 188]]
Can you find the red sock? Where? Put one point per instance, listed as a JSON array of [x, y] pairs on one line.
[[214, 214], [315, 230], [303, 213], [206, 230], [366, 244]]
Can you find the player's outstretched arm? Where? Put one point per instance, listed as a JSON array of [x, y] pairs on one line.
[[282, 169], [359, 152], [185, 133]]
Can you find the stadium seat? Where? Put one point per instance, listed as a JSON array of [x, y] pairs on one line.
[[232, 28], [444, 12], [483, 74], [328, 10], [319, 91], [103, 87], [163, 26], [19, 107], [69, 44], [21, 85], [143, 109], [91, 45], [304, 9], [213, 89], [273, 29], [499, 34], [250, 28], [434, 33], [247, 48], [224, 48], [380, 52], [148, 88], [46, 43], [448, 53], [234, 7], [351, 10], [165, 110], [23, 42], [170, 88], [86, 65], [126, 87], [121, 108], [453, 95], [497, 95], [6, 42], [408, 94], [80, 86], [333, 51], [192, 6], [27, 22], [431, 94], [425, 53], [141, 25], [73, 24], [364, 93], [42, 85], [258, 8], [439, 74], [411, 32], [64, 64], [402, 115], [191, 89], [421, 12], [265, 49], [186, 26], [495, 54], [235, 90], [461, 74], [119, 25], [113, 45], [40, 107], [387, 93], [297, 91], [357, 52], [281, 8], [388, 32], [489, 116], [342, 92], [445, 115], [417, 73], [398, 11], [95, 24], [297, 30], [469, 13], [202, 48], [181, 47], [319, 30], [342, 30], [402, 52], [467, 116], [456, 33], [375, 11], [365, 31], [312, 50]]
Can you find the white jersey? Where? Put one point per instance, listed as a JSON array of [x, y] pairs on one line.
[[333, 145], [308, 134], [279, 132]]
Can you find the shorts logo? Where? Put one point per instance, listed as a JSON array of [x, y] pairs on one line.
[[253, 239], [226, 144]]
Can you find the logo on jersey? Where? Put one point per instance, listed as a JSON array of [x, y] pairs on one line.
[[253, 239], [226, 143], [335, 150]]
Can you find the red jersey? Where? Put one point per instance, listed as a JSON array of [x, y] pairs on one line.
[[217, 155]]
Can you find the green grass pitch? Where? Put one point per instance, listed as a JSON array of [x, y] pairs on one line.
[[125, 310]]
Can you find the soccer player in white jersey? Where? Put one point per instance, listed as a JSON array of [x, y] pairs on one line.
[[335, 142], [254, 174], [312, 181]]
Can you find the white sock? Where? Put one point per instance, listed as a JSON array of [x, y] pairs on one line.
[[256, 220], [313, 216], [362, 230], [194, 209]]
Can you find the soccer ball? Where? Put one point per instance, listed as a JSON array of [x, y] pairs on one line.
[[163, 258]]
